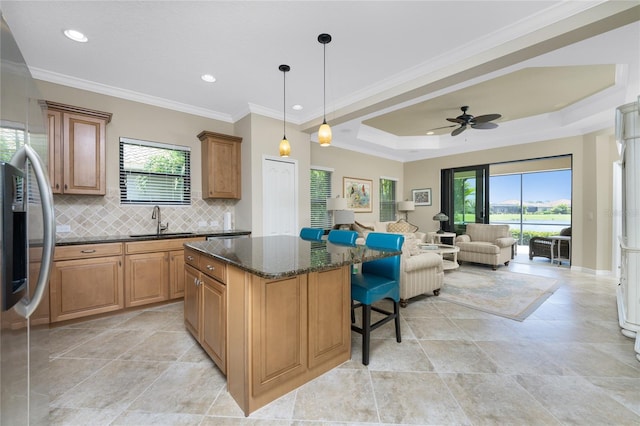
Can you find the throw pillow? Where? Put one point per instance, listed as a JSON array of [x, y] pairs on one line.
[[401, 226], [410, 245]]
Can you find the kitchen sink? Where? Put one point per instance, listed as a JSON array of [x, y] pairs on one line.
[[165, 234]]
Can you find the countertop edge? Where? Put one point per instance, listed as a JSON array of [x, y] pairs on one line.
[[128, 239]]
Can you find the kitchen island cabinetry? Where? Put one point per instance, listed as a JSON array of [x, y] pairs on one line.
[[86, 280], [77, 149], [150, 270], [287, 306], [205, 305], [221, 165]]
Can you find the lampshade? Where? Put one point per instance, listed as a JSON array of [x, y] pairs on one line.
[[336, 203], [285, 147], [344, 217], [441, 217], [406, 206], [324, 132]]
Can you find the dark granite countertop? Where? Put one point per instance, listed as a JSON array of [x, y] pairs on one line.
[[147, 237], [282, 256]]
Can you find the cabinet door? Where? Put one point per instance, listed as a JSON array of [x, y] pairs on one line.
[[329, 315], [54, 127], [84, 140], [278, 332], [146, 278], [221, 157], [192, 301], [176, 274], [85, 287], [214, 320]]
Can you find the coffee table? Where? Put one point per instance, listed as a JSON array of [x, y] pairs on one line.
[[448, 263]]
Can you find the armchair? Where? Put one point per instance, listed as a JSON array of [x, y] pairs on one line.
[[541, 246], [420, 272], [485, 243]]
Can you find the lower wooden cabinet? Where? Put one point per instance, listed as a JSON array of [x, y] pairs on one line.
[[192, 301], [82, 287], [213, 327], [205, 307], [147, 278], [176, 274]]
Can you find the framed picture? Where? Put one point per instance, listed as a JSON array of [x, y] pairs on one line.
[[358, 194], [422, 197]]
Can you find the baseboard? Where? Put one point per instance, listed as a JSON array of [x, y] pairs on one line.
[[597, 272]]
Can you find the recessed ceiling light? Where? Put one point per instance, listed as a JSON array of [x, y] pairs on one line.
[[76, 36], [208, 78], [297, 107], [430, 132]]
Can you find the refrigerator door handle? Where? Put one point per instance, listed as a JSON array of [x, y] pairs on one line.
[[26, 306]]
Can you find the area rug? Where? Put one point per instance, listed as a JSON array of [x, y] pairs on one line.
[[507, 294]]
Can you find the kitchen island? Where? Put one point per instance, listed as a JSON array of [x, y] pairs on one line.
[[272, 312]]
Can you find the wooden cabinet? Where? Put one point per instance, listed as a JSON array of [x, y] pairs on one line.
[[205, 305], [221, 165], [176, 274], [147, 278], [154, 270], [86, 280], [77, 149]]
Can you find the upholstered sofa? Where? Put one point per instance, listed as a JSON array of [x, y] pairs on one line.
[[486, 243], [420, 272], [541, 246]]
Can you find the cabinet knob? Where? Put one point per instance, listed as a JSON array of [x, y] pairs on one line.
[[57, 186], [189, 258], [65, 186], [211, 268], [195, 282]]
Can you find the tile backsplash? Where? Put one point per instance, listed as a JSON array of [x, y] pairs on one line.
[[95, 216]]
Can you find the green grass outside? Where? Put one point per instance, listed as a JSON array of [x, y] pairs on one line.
[[531, 217]]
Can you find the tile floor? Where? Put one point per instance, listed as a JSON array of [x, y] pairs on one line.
[[566, 364]]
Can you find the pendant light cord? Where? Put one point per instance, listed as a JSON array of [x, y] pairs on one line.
[[324, 83], [284, 104]]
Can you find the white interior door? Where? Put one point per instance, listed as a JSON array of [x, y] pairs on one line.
[[279, 196]]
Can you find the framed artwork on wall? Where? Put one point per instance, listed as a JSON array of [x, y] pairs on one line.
[[422, 197], [358, 194]]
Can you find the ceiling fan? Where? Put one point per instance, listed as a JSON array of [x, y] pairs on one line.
[[479, 122]]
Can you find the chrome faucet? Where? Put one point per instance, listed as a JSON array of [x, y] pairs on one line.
[[156, 215]]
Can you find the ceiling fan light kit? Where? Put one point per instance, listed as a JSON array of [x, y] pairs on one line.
[[482, 122]]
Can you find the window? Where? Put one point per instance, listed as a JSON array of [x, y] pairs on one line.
[[320, 191], [387, 199], [154, 173]]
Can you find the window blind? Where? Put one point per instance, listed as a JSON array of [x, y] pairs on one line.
[[387, 200], [320, 191], [154, 173]]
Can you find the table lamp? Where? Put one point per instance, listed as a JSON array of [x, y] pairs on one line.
[[406, 206], [441, 217]]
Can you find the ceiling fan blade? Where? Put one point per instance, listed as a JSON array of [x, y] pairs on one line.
[[443, 127], [459, 130], [485, 118], [456, 120], [484, 126]]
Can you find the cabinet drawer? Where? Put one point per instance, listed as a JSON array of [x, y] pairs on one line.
[[214, 268], [192, 258], [83, 251]]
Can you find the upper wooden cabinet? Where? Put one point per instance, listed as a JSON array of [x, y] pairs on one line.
[[221, 158], [77, 146]]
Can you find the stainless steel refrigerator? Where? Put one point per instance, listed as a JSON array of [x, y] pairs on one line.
[[27, 241]]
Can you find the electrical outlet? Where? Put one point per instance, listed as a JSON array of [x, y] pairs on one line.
[[215, 223], [63, 228]]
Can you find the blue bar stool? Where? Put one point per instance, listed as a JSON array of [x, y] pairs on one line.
[[338, 236], [313, 234], [380, 279]]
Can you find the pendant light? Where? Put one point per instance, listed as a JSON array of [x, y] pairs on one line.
[[285, 147], [324, 132]]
